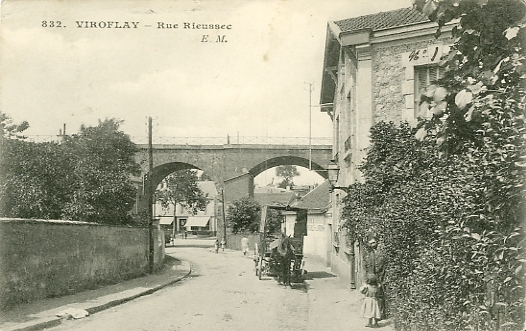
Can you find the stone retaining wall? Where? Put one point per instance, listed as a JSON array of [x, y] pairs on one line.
[[41, 258]]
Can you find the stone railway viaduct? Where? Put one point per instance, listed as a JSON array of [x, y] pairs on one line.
[[231, 166]]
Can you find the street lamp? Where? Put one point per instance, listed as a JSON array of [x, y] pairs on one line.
[[333, 171]]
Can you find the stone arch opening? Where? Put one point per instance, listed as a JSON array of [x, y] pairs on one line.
[[288, 160], [158, 174], [163, 170], [179, 221]]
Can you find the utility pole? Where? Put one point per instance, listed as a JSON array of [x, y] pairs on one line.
[[224, 215], [310, 125], [150, 196]]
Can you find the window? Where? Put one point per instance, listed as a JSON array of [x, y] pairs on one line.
[[425, 76], [337, 135], [350, 122]]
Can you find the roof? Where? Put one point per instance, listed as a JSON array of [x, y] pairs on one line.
[[318, 199], [382, 20], [355, 31], [269, 189], [285, 198]]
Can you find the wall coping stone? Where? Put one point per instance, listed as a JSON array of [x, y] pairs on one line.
[[64, 222]]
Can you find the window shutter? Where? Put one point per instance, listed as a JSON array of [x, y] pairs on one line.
[[433, 74], [423, 81]]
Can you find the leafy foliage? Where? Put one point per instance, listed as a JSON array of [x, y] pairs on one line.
[[287, 172], [10, 130], [482, 91], [181, 188], [104, 161], [452, 256], [244, 216], [448, 205], [35, 179], [86, 177]]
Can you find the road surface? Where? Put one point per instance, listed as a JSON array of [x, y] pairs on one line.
[[222, 293]]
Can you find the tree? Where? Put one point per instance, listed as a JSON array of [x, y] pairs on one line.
[[86, 177], [34, 177], [287, 172], [10, 130], [181, 188], [104, 163], [482, 91], [244, 216], [479, 109]]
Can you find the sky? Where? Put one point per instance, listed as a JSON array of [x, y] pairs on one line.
[[252, 83]]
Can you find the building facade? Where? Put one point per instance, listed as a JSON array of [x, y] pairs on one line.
[[375, 67], [204, 220], [316, 244]]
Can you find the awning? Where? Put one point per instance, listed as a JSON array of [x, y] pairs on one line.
[[197, 221], [165, 220]]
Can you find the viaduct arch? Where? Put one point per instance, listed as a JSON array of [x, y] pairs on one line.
[[232, 166]]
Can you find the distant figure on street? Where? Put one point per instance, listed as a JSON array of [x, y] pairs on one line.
[[244, 245], [223, 243], [185, 234], [216, 245], [370, 307]]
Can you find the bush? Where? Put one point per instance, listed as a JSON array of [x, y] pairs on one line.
[[452, 249]]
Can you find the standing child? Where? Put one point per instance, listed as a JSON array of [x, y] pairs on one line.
[[370, 307], [216, 245], [244, 245]]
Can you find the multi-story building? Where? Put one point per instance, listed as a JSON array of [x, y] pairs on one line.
[[374, 69], [204, 220]]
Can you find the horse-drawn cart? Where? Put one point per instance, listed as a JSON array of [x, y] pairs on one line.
[[282, 257]]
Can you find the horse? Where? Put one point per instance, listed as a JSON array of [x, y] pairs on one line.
[[283, 254]]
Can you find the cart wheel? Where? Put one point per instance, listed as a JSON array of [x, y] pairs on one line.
[[260, 267]]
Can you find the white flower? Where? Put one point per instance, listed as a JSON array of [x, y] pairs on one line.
[[463, 98]]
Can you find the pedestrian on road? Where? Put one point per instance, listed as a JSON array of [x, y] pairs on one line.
[[223, 243], [374, 264], [216, 245], [244, 245], [370, 307]]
